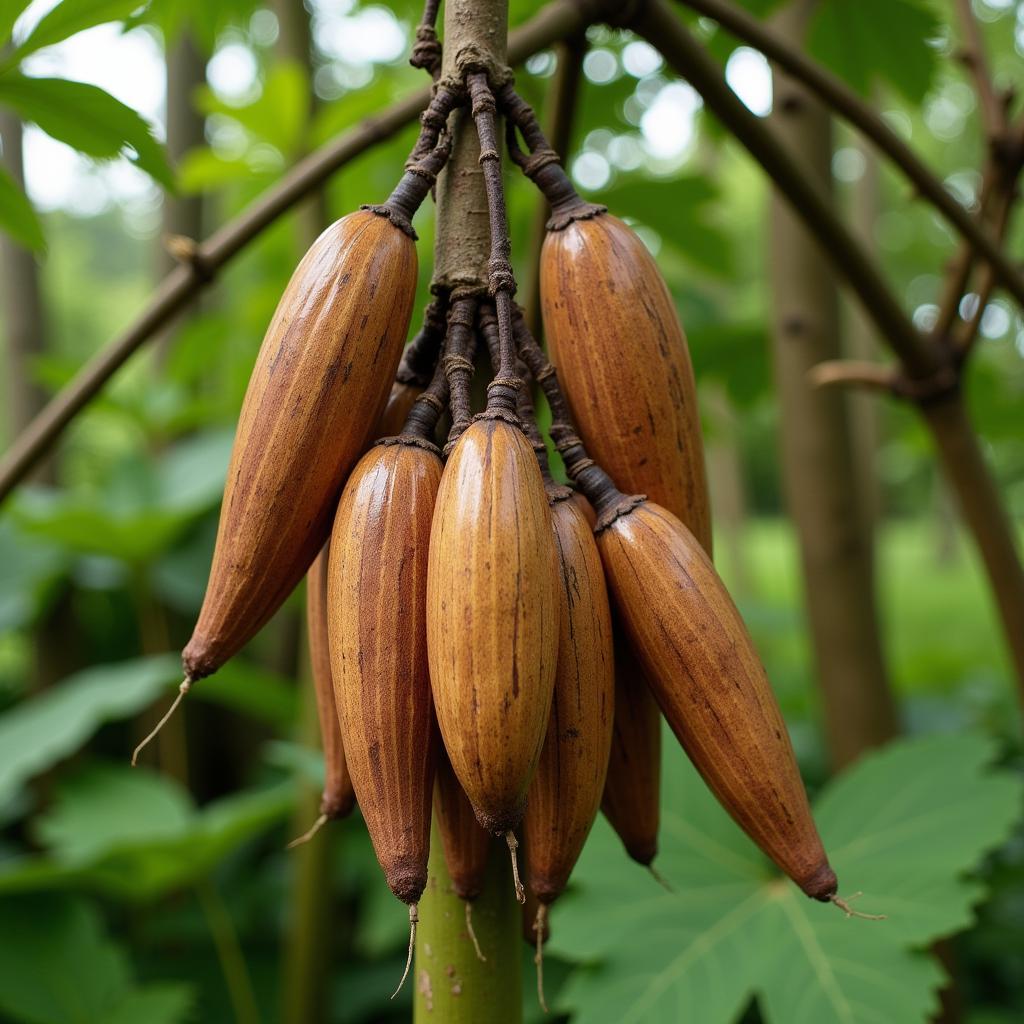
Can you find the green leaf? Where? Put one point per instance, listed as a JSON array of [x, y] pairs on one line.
[[29, 565], [680, 211], [71, 16], [57, 966], [39, 732], [17, 217], [140, 869], [903, 825], [861, 40], [87, 119], [107, 806], [10, 12]]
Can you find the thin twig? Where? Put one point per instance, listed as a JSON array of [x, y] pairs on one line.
[[662, 28], [975, 58], [860, 114], [847, 372]]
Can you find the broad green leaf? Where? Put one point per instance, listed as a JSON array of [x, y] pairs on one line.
[[251, 690], [71, 16], [17, 217], [903, 825], [10, 12], [39, 732], [680, 210], [863, 40], [141, 869], [58, 966], [106, 806], [87, 119]]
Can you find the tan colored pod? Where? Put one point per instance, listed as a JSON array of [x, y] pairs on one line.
[[378, 634], [632, 790], [338, 796], [710, 684], [624, 365], [492, 617], [566, 790], [466, 844], [314, 399]]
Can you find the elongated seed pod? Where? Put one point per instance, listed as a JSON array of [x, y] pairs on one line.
[[624, 364], [492, 620], [710, 684], [313, 402], [632, 790], [338, 796], [378, 636], [566, 789], [466, 844]]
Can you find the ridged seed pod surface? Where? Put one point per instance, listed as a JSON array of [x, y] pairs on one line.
[[493, 617], [566, 790], [711, 686], [378, 635], [314, 399], [466, 844], [632, 790], [623, 361], [338, 796]]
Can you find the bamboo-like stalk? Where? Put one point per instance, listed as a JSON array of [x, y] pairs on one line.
[[452, 984]]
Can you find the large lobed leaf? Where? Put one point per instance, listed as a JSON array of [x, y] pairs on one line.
[[903, 825]]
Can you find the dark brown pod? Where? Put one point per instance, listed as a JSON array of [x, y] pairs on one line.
[[313, 403], [466, 844], [623, 362], [710, 684], [378, 637], [338, 796], [632, 790], [493, 614], [566, 789]]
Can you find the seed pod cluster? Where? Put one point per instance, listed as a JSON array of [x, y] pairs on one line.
[[489, 646]]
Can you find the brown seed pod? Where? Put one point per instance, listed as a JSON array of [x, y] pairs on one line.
[[466, 844], [492, 617], [566, 789], [624, 364], [313, 402], [710, 684], [632, 790], [338, 796], [378, 638]]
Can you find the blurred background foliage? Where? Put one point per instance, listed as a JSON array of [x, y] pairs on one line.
[[164, 894]]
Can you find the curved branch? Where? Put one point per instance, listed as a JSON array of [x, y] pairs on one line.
[[558, 20], [846, 103], [658, 24]]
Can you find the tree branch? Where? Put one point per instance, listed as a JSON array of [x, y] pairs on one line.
[[558, 20], [846, 103], [658, 24]]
